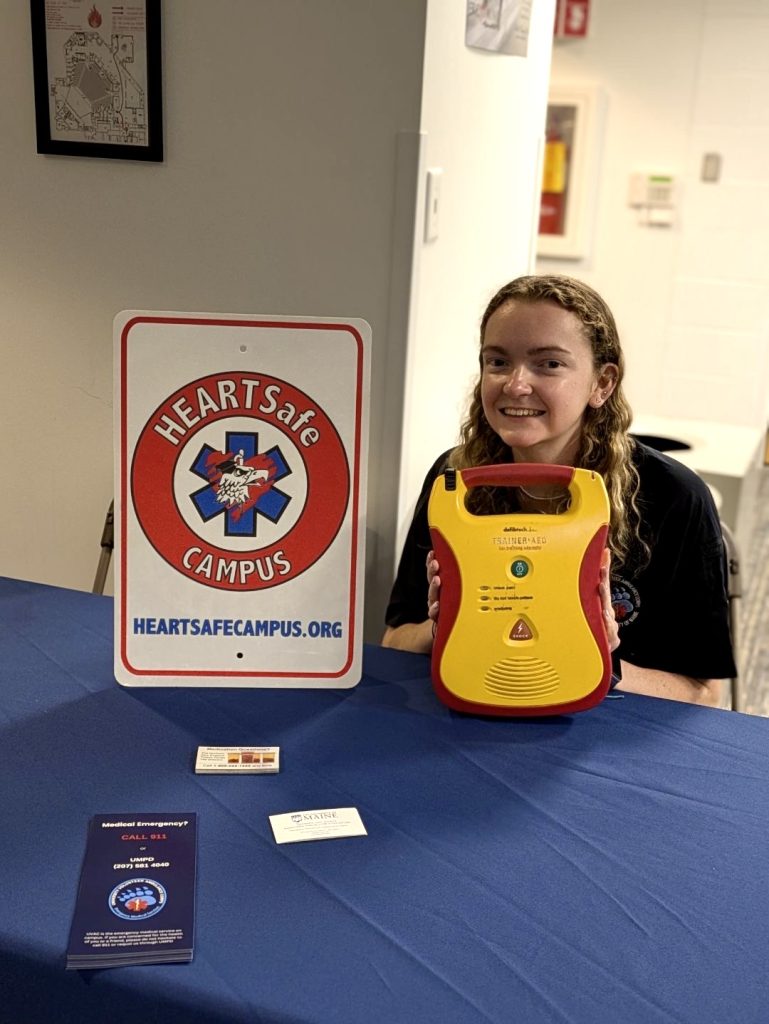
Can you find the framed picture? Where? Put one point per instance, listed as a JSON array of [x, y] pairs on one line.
[[570, 171], [97, 69], [498, 25]]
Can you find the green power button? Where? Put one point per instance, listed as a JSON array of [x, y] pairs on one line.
[[520, 568]]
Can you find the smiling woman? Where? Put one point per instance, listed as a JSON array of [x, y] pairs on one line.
[[549, 391], [538, 376]]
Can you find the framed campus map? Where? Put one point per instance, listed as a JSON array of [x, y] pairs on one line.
[[97, 68]]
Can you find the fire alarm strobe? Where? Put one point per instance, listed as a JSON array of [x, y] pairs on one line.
[[520, 630]]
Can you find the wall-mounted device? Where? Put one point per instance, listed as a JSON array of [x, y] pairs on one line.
[[433, 203], [654, 196]]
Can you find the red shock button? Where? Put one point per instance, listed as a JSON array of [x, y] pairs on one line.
[[521, 631]]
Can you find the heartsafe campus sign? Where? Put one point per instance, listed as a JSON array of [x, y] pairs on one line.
[[241, 484]]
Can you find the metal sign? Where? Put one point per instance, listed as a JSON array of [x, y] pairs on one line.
[[241, 483]]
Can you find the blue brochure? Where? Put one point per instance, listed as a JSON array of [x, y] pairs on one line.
[[136, 899]]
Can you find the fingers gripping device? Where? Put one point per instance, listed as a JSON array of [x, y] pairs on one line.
[[521, 629]]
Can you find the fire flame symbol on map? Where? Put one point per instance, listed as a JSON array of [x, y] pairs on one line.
[[94, 17]]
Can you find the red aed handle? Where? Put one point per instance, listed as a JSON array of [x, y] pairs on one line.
[[513, 475]]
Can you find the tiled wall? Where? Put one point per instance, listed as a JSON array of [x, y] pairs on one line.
[[718, 340], [683, 79]]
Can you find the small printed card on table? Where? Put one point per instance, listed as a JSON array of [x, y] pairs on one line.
[[136, 898], [304, 826], [237, 760]]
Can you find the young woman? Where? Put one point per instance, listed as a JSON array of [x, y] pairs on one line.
[[550, 391]]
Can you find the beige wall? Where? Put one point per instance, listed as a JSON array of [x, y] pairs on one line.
[[277, 195], [297, 139]]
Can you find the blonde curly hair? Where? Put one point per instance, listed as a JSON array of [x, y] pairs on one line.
[[605, 445]]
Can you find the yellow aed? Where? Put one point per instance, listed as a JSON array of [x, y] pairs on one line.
[[521, 629]]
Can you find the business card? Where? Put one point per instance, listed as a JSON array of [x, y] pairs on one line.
[[304, 826], [237, 760], [136, 899]]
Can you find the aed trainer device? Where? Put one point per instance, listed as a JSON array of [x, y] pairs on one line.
[[520, 629]]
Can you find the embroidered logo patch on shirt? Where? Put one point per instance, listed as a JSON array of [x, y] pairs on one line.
[[625, 601]]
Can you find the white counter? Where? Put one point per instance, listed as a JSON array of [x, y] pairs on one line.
[[727, 457]]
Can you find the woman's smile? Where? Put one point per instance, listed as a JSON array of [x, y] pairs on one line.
[[522, 412]]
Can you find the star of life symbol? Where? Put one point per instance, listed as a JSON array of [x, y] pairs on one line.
[[240, 484], [230, 490]]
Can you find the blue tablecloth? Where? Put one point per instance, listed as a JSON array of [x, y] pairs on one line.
[[608, 866]]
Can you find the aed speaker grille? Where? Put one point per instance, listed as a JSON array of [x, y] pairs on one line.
[[524, 678]]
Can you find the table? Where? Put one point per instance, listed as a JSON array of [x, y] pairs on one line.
[[607, 866]]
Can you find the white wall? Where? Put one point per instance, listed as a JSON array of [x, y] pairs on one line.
[[277, 195], [692, 301], [718, 342], [483, 121], [644, 59]]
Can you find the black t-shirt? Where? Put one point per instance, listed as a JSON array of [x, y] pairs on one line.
[[673, 614]]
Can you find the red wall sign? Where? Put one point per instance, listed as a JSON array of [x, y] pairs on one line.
[[572, 19]]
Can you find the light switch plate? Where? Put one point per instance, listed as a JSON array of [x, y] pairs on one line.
[[433, 203]]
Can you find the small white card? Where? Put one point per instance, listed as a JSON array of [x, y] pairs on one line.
[[303, 826], [237, 760]]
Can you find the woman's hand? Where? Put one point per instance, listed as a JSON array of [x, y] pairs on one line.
[[418, 636], [604, 588], [433, 588]]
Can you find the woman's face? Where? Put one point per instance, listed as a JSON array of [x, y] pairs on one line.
[[538, 378]]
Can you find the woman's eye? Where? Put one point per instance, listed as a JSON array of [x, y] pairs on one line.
[[552, 364]]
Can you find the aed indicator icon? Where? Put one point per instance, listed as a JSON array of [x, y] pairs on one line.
[[521, 631]]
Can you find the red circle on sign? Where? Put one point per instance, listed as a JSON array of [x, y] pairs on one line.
[[224, 396]]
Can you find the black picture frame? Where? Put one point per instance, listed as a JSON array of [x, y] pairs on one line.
[[103, 138]]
